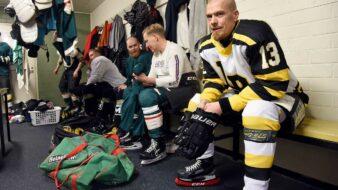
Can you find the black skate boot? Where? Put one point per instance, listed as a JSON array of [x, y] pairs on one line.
[[200, 173], [154, 153], [132, 143]]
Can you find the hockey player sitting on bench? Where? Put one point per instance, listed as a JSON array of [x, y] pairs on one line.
[[246, 56], [165, 80], [130, 129]]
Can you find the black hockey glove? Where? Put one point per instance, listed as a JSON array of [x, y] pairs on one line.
[[195, 139], [182, 129]]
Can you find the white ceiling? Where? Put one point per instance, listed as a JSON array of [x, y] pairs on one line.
[[86, 6]]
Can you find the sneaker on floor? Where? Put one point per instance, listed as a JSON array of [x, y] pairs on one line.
[[201, 170], [132, 144], [154, 153]]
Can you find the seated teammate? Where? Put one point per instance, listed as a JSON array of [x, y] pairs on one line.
[[131, 130], [243, 55], [167, 82]]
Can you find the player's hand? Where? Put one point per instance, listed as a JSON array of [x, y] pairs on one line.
[[76, 74], [213, 107], [202, 104], [122, 87], [142, 78]]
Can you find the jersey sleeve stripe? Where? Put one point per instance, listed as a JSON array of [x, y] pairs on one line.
[[225, 106], [262, 92], [214, 80], [219, 87], [211, 94], [239, 101], [275, 93], [244, 39], [275, 85], [281, 75]]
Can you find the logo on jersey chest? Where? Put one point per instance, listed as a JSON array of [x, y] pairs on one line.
[[159, 64]]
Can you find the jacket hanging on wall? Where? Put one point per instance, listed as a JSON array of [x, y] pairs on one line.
[[197, 29], [138, 18], [155, 16], [117, 43], [91, 38], [171, 17]]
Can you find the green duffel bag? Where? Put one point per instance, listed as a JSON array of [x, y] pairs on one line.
[[77, 162]]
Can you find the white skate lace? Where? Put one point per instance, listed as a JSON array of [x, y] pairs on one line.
[[193, 167], [152, 146]]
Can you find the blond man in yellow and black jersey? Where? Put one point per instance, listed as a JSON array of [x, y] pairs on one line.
[[243, 57]]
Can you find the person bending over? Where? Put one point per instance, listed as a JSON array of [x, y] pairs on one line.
[[98, 93]]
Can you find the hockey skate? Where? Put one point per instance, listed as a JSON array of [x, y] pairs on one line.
[[133, 143], [154, 153], [200, 173]]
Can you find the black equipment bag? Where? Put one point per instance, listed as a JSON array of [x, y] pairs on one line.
[[77, 126]]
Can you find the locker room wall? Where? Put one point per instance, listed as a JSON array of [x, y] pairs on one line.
[[308, 32]]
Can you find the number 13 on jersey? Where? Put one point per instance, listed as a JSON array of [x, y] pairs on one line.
[[273, 59]]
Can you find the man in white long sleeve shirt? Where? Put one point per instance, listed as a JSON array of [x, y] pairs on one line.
[[99, 95], [168, 72]]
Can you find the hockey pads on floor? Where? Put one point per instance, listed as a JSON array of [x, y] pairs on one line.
[[194, 139]]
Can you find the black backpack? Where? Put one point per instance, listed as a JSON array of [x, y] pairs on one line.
[[77, 126]]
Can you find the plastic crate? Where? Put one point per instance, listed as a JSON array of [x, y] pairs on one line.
[[45, 118]]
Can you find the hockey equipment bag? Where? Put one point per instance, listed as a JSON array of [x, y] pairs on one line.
[[77, 162]]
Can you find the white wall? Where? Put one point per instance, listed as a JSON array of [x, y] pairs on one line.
[[308, 32]]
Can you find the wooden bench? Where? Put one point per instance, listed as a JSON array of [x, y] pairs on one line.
[[311, 131]]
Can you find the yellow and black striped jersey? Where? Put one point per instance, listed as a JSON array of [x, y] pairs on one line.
[[251, 61]]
